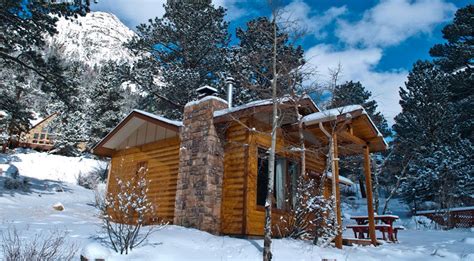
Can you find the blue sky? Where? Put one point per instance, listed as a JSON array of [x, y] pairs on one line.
[[375, 41]]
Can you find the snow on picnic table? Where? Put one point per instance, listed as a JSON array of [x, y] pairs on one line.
[[31, 212]]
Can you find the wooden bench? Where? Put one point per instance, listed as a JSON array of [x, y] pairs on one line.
[[395, 231], [359, 230]]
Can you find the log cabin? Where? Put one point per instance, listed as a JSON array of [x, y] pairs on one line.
[[209, 171]]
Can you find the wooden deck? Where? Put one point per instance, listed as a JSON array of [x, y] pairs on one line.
[[356, 241]]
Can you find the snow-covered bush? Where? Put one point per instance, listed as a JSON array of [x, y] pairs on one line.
[[312, 216], [42, 246], [125, 211], [20, 183], [93, 178]]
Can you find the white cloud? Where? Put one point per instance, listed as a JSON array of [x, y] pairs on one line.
[[233, 10], [301, 13], [358, 65], [392, 21]]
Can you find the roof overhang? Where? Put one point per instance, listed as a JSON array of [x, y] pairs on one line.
[[138, 128], [354, 128]]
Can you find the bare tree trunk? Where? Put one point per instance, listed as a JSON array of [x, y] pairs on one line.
[[397, 185], [267, 253]]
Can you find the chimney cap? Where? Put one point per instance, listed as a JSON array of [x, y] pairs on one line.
[[206, 90]]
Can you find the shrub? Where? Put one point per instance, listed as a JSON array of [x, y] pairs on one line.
[[93, 178], [20, 183], [125, 212], [42, 246]]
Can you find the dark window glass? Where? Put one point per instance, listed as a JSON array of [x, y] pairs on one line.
[[279, 182], [42, 136], [262, 177], [35, 136], [293, 172]]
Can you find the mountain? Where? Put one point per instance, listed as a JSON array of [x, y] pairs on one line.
[[92, 39]]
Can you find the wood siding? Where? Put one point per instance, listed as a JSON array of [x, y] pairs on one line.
[[161, 159], [235, 171], [240, 213]]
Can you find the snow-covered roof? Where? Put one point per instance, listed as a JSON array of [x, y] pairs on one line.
[[160, 118], [257, 104], [443, 210], [332, 114], [206, 87], [329, 115], [37, 119], [209, 97], [342, 179]]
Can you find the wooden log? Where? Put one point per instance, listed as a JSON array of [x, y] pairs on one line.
[[368, 185]]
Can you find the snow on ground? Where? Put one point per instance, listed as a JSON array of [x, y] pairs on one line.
[[31, 212], [54, 167]]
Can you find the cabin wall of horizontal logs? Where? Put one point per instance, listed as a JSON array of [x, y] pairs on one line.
[[161, 159]]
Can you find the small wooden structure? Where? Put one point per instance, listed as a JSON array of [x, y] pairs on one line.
[[462, 217], [41, 135], [208, 171]]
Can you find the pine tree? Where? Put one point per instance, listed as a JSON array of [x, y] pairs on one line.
[[440, 169], [182, 51], [106, 101], [23, 25], [15, 102], [69, 101], [351, 93], [251, 64], [457, 57], [458, 52]]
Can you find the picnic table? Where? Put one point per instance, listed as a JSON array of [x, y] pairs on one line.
[[386, 226]]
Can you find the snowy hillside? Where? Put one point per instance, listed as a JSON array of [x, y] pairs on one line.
[[45, 166], [92, 39]]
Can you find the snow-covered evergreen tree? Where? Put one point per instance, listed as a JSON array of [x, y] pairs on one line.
[[457, 58], [426, 131], [15, 101], [182, 51], [251, 63], [106, 101], [24, 24], [69, 102]]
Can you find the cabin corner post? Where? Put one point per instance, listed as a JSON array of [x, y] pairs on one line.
[[368, 187], [338, 239]]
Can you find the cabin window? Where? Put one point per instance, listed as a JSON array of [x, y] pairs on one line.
[[42, 136], [35, 135], [285, 169]]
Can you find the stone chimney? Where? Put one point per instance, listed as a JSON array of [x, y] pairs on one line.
[[201, 165]]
